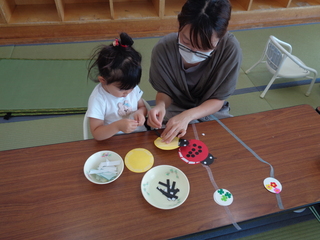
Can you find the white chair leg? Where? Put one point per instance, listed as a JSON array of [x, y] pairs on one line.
[[311, 86], [85, 127], [253, 66], [268, 86], [261, 60]]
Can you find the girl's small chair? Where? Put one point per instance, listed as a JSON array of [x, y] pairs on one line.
[[86, 128], [282, 64]]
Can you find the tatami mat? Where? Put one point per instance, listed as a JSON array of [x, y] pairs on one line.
[[309, 230], [58, 51], [41, 132], [55, 75], [247, 103], [52, 84], [6, 51]]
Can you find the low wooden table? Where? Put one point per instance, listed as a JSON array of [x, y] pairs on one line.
[[45, 195]]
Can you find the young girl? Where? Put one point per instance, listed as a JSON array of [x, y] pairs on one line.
[[115, 104]]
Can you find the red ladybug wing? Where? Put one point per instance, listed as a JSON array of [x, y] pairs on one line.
[[194, 153]]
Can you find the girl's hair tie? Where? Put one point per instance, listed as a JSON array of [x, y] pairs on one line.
[[117, 43]]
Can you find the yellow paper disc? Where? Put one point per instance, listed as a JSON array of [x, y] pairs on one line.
[[166, 146], [139, 160]]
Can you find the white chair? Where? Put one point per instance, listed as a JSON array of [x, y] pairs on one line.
[[86, 128], [282, 64]]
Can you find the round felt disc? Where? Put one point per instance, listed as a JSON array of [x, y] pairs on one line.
[[272, 185], [167, 146], [223, 197], [139, 160], [194, 153]]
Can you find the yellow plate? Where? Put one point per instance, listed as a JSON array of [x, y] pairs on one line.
[[167, 146], [139, 160]]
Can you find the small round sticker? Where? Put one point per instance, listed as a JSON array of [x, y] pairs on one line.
[[139, 160], [223, 197], [272, 185]]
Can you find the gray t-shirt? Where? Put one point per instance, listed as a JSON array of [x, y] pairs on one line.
[[192, 75], [214, 78]]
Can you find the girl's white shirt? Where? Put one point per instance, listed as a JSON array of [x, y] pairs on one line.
[[104, 106]]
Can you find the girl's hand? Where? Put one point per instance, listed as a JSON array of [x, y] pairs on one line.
[[176, 127], [156, 116], [140, 118], [127, 125]]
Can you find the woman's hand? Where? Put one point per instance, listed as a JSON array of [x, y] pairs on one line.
[[156, 115], [176, 127]]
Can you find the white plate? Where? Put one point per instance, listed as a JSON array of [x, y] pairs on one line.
[[94, 161], [165, 187]]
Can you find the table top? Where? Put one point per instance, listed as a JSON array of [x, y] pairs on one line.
[[45, 195]]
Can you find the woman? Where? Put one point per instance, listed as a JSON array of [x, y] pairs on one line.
[[195, 70]]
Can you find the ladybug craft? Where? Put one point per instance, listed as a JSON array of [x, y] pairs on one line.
[[194, 152]]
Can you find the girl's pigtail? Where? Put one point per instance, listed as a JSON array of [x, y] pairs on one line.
[[125, 41]]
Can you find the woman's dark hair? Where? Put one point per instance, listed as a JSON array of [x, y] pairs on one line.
[[118, 62], [205, 17]]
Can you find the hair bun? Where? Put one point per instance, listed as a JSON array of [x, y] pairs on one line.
[[125, 39]]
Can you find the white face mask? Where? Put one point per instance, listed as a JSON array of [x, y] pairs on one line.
[[191, 57]]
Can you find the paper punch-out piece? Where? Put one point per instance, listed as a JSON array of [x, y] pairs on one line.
[[196, 152], [167, 146], [139, 160], [272, 185], [174, 144], [223, 197]]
